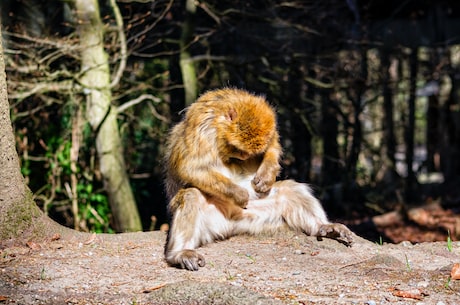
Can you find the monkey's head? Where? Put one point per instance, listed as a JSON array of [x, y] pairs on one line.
[[246, 126]]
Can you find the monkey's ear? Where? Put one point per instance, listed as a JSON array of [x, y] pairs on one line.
[[231, 115]]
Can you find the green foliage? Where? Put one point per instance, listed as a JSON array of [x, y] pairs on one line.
[[449, 241], [43, 274], [94, 208], [51, 159], [408, 265], [157, 72], [447, 284], [25, 167]]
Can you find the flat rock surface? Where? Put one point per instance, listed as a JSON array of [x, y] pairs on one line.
[[286, 268]]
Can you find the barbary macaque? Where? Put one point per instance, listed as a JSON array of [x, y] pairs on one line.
[[221, 163]]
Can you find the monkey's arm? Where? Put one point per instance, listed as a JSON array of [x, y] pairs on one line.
[[195, 158], [211, 182], [195, 162], [269, 168]]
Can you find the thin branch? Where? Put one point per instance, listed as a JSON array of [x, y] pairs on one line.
[[43, 88], [156, 114], [209, 58], [136, 1], [318, 83], [62, 44], [123, 48], [138, 100], [211, 14], [149, 28]]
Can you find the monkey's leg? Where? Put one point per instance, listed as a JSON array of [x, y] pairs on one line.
[[301, 210], [292, 203], [195, 222]]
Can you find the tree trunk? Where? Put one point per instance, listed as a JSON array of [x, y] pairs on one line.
[[20, 219], [177, 97], [388, 121], [103, 118], [449, 131], [433, 136], [301, 136], [15, 198], [186, 64], [333, 177], [330, 171], [359, 89], [410, 192], [355, 148], [387, 174]]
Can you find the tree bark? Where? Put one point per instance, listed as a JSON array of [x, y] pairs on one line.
[[433, 136], [301, 135], [449, 130], [410, 191], [359, 89], [103, 117], [389, 138], [15, 198], [186, 64], [20, 219], [330, 171]]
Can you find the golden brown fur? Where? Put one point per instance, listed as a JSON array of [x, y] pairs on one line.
[[221, 166], [224, 129]]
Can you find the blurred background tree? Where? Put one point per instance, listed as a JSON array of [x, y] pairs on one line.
[[367, 95]]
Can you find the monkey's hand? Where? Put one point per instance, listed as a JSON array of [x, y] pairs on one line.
[[263, 181], [240, 196]]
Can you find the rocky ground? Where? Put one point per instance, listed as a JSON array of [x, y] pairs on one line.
[[287, 268]]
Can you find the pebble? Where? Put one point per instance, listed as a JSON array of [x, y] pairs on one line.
[[405, 243], [423, 284]]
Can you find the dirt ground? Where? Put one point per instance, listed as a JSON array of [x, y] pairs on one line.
[[288, 268]]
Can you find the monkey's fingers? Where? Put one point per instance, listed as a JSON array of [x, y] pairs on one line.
[[336, 231], [191, 260], [240, 197], [261, 186]]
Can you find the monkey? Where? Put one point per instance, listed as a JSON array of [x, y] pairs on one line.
[[221, 166], [224, 131]]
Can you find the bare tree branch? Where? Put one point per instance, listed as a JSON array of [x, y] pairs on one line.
[[43, 88], [150, 27], [123, 47], [138, 100]]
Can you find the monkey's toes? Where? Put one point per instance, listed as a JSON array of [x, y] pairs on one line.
[[191, 260], [336, 231]]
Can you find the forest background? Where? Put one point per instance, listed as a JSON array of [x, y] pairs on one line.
[[367, 94]]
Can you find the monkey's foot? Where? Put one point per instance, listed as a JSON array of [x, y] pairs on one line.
[[336, 231], [187, 259]]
